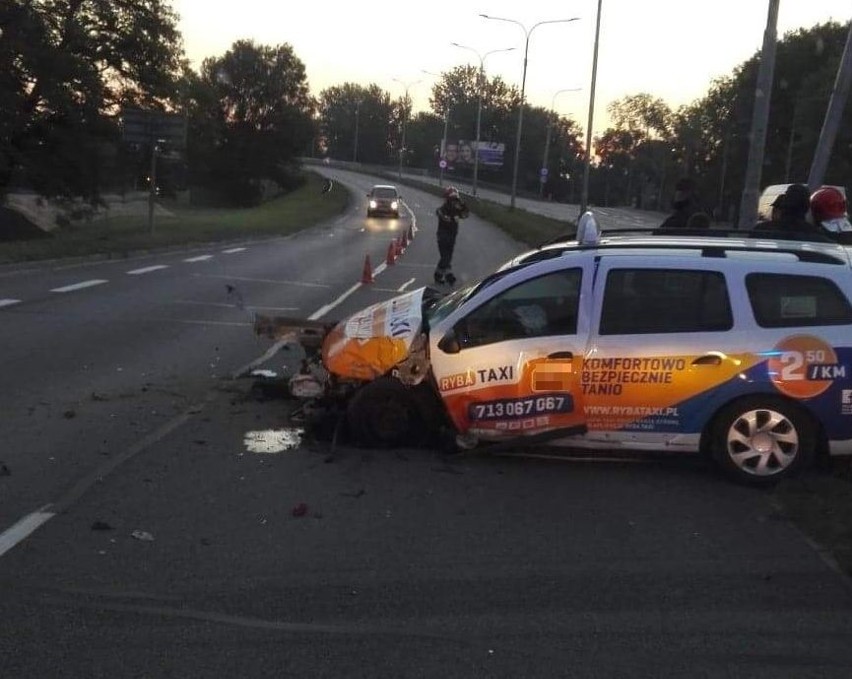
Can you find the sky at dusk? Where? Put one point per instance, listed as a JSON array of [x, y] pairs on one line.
[[670, 48]]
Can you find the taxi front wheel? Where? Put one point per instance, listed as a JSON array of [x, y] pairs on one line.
[[385, 414], [761, 439]]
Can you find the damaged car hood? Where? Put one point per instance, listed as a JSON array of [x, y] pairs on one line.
[[374, 340]]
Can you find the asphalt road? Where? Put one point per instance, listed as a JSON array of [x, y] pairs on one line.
[[117, 418]]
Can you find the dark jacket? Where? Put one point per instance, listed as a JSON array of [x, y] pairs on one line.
[[797, 228], [449, 213]]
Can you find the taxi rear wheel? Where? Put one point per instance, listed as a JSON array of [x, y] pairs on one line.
[[385, 414], [761, 439]]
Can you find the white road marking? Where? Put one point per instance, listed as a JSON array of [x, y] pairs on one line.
[[231, 251], [402, 287], [80, 286], [147, 269], [24, 528], [200, 258], [9, 302], [265, 280], [323, 310]]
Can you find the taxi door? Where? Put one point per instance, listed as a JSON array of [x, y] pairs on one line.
[[508, 363]]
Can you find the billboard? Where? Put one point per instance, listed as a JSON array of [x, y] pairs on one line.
[[460, 154]]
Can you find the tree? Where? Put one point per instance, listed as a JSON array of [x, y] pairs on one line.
[[342, 107], [250, 119], [67, 66]]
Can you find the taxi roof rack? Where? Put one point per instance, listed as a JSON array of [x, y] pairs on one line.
[[720, 249]]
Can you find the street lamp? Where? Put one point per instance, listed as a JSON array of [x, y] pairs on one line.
[[527, 33], [444, 138], [355, 145], [547, 138], [479, 80], [587, 161], [406, 85]]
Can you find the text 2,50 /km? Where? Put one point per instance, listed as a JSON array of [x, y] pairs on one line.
[[521, 407]]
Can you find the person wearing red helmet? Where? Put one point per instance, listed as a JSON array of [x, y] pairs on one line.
[[449, 213], [828, 209]]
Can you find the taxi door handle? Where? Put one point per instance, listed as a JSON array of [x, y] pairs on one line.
[[561, 354], [708, 359]]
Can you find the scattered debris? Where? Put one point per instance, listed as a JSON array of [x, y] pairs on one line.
[[300, 510], [69, 414], [101, 525], [265, 374], [98, 397], [142, 535], [205, 542], [358, 493], [200, 442], [4, 470]]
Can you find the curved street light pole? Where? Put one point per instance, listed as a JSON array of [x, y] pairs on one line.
[[406, 85], [547, 138], [527, 33], [479, 79]]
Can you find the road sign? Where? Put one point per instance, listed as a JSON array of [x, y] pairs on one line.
[[543, 172], [141, 127], [443, 164]]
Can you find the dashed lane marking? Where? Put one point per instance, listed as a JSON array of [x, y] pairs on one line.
[[147, 269], [80, 286], [402, 287], [231, 251], [200, 258], [24, 528], [9, 302]]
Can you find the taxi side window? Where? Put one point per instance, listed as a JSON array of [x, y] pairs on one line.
[[541, 307], [645, 301], [789, 301]]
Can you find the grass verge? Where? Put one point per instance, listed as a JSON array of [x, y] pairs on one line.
[[119, 236]]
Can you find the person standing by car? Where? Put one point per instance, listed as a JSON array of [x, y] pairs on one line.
[[789, 213], [828, 209], [449, 213], [684, 204]]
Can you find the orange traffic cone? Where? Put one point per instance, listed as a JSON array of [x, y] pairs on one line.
[[390, 260], [367, 275]]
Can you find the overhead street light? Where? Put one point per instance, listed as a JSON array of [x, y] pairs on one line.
[[550, 114], [444, 138], [406, 85], [479, 79], [527, 33]]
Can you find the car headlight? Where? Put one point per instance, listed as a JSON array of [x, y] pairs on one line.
[[394, 205], [373, 205]]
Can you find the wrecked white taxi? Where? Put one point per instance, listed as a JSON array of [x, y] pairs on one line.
[[740, 348]]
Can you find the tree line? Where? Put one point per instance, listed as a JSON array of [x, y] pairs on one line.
[[68, 68]]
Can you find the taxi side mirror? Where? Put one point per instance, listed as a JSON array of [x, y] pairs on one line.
[[449, 343]]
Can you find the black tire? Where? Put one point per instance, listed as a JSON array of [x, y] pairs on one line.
[[386, 414], [760, 440]]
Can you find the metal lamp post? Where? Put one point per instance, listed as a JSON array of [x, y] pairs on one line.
[[479, 79], [527, 33], [406, 85], [446, 126], [547, 138], [355, 145]]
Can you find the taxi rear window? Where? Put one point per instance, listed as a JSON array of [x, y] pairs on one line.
[[789, 301], [650, 301]]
